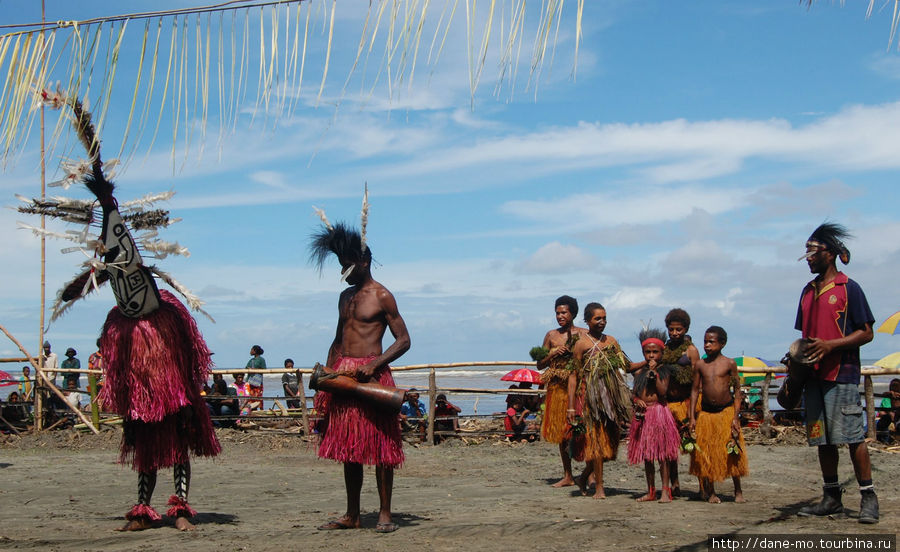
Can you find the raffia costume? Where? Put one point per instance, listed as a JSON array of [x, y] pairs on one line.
[[652, 434], [602, 400], [711, 459], [156, 360], [555, 379]]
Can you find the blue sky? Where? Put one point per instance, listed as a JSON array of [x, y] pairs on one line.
[[686, 164]]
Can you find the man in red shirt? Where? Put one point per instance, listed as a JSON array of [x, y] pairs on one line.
[[835, 318]]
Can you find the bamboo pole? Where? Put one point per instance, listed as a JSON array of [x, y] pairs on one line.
[[432, 393], [870, 406], [39, 394], [9, 425], [767, 414], [95, 408], [304, 413]]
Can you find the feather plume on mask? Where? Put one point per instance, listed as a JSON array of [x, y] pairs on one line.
[[830, 236]]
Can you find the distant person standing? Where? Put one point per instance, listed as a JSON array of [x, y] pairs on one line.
[[71, 363], [291, 384], [95, 362], [25, 384], [835, 318], [255, 380], [51, 362]]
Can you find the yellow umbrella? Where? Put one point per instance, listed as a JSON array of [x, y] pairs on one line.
[[890, 361], [890, 325]]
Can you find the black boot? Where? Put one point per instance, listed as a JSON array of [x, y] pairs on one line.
[[868, 507], [830, 504]]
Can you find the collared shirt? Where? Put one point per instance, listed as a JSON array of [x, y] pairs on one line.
[[835, 311]]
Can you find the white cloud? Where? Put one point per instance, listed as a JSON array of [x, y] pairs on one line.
[[557, 258], [634, 298]]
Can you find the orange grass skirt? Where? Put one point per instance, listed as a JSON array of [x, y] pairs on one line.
[[601, 442], [554, 427], [712, 461]]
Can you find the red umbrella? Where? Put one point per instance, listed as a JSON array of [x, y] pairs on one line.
[[523, 374], [6, 379]]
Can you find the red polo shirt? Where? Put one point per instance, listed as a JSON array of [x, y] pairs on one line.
[[837, 310]]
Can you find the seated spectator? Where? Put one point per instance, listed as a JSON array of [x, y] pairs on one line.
[[416, 409], [291, 384], [445, 409], [529, 401], [14, 412], [222, 402], [242, 389], [891, 416], [515, 420]]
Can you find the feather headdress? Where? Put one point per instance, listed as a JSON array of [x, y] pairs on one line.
[[342, 240], [829, 235], [112, 256]]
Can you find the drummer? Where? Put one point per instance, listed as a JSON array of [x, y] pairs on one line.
[[356, 432]]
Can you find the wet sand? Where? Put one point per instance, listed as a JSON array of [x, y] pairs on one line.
[[63, 491]]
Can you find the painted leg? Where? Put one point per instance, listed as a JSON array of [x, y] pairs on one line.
[[142, 515], [180, 510]]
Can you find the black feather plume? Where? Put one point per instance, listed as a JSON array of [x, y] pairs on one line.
[[343, 241]]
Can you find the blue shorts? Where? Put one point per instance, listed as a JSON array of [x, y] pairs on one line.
[[834, 413]]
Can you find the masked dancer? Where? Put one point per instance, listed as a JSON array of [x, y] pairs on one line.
[[156, 360]]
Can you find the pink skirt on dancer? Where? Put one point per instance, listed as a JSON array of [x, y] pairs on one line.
[[355, 431], [653, 437], [155, 369]]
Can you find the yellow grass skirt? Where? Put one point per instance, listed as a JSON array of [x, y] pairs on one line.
[[601, 442], [712, 461], [554, 425]]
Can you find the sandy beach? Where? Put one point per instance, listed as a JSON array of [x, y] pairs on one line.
[[268, 491]]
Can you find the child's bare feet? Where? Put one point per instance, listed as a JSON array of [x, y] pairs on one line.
[[566, 481], [739, 497], [666, 495], [137, 524], [600, 493], [649, 497], [713, 499]]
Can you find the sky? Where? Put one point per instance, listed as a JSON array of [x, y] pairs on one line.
[[684, 165]]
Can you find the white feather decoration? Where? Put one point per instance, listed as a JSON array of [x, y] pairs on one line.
[[322, 216], [194, 302], [364, 217]]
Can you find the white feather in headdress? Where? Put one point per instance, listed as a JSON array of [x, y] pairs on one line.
[[322, 216], [364, 216]]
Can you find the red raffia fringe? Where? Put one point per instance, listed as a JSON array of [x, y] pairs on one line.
[[654, 437], [142, 511], [179, 508], [355, 431], [155, 369]]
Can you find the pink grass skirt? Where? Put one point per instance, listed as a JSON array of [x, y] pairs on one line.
[[155, 369], [357, 432], [655, 437]]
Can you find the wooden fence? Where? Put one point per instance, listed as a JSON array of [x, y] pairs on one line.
[[433, 390]]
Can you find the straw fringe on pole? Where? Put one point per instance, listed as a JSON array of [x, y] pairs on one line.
[[210, 70]]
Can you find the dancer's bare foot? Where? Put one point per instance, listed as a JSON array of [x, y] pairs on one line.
[[566, 481], [739, 497], [600, 493], [340, 523], [713, 499], [137, 524], [182, 524], [665, 495], [649, 497]]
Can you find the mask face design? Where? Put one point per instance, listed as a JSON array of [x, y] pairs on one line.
[[132, 284]]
